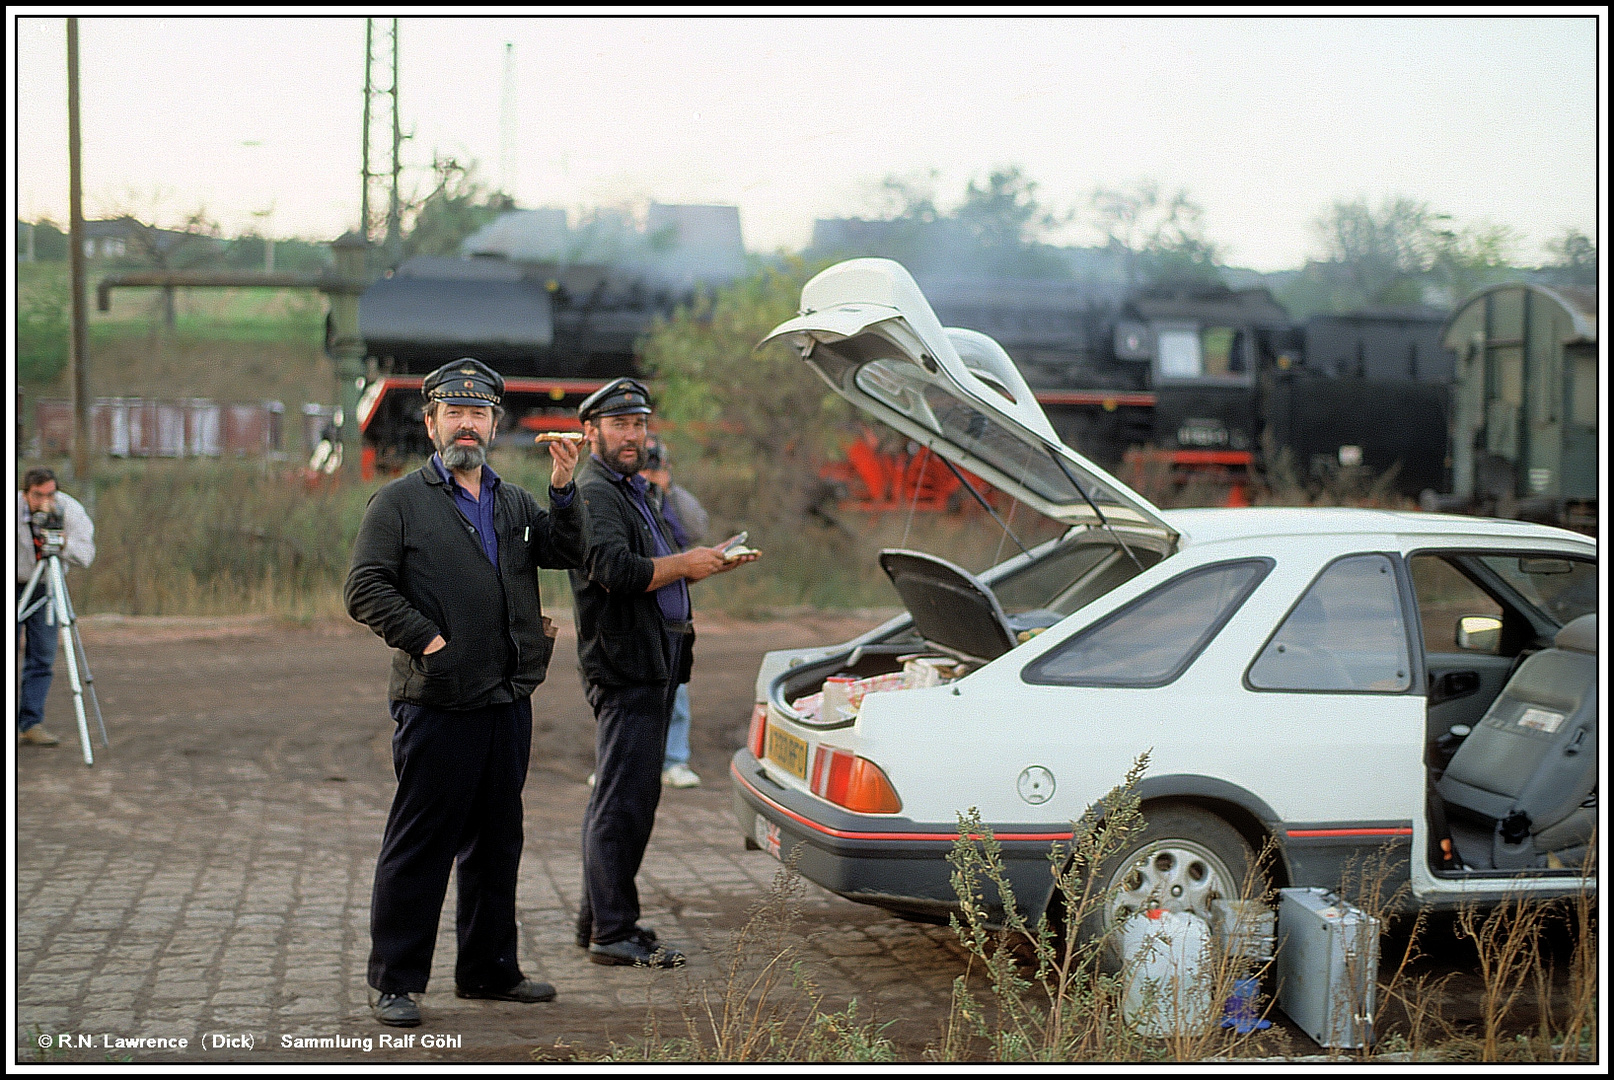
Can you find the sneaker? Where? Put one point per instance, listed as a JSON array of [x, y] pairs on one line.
[[37, 736], [397, 1010], [680, 776]]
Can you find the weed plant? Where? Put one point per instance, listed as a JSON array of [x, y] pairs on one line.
[[767, 1007], [1051, 995]]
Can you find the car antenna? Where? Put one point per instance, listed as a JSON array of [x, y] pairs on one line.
[[1102, 520], [969, 487]]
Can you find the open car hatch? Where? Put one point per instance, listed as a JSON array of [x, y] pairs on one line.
[[955, 610], [870, 333]]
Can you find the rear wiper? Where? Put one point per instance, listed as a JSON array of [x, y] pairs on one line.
[[969, 487], [1102, 520]]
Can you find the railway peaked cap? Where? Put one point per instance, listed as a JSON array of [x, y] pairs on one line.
[[616, 398], [464, 382]]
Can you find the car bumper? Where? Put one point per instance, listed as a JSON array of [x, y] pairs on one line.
[[885, 860]]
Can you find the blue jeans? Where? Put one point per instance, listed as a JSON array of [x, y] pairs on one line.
[[678, 731], [37, 641]]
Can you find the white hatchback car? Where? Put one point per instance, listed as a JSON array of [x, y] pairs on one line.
[[1300, 676]]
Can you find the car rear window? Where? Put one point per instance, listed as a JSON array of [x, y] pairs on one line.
[[1346, 634], [1152, 640]]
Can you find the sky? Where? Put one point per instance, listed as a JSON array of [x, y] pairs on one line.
[[1264, 121]]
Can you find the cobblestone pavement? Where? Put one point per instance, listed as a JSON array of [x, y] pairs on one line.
[[209, 878], [210, 875]]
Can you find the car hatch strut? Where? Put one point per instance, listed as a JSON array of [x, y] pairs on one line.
[[1102, 520], [969, 487]]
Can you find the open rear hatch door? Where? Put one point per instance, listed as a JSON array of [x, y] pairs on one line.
[[869, 332], [953, 609]]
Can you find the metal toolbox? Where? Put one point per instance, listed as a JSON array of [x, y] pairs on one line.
[[1327, 967]]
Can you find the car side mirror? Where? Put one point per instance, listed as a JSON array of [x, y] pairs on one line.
[[1479, 633]]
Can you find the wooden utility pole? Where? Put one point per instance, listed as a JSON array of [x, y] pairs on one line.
[[77, 352]]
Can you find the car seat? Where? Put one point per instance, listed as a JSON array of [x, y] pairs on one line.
[[1529, 770]]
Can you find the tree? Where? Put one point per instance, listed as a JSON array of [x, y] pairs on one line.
[[1159, 240], [458, 206], [50, 241], [1574, 259], [997, 229], [42, 329], [196, 243], [769, 421], [1391, 255]]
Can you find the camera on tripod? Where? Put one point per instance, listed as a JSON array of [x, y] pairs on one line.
[[49, 530]]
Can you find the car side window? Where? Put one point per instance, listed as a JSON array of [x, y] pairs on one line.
[[1445, 595], [1564, 588], [1152, 640], [1345, 634]]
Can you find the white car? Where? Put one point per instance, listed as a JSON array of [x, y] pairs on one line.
[[1304, 676]]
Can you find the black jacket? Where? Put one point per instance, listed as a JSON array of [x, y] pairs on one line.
[[419, 571], [620, 630]]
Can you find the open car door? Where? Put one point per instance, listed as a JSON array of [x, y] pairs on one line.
[[870, 333]]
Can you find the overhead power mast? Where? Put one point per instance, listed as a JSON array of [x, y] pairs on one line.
[[507, 124], [380, 209]]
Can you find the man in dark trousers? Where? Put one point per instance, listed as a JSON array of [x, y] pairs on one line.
[[634, 638], [445, 571]]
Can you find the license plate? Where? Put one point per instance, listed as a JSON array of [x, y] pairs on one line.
[[788, 751]]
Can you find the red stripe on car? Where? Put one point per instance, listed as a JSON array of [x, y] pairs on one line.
[[844, 834]]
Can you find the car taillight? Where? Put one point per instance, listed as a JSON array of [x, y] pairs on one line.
[[757, 737], [853, 782]]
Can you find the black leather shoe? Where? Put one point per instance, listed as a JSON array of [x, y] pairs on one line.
[[636, 950], [397, 1010], [642, 934], [526, 991]]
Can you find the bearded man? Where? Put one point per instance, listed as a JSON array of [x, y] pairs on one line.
[[634, 639], [444, 570]]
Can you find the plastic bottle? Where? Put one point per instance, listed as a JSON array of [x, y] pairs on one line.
[[1166, 966]]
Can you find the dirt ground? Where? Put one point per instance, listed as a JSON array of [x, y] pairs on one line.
[[211, 873]]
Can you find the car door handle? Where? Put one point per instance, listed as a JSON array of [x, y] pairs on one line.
[[1454, 684]]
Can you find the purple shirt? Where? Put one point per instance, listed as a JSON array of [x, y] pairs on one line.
[[478, 511]]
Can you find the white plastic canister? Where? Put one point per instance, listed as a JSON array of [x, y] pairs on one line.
[[1167, 972]]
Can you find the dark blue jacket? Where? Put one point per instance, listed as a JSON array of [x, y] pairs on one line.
[[620, 630], [418, 571]]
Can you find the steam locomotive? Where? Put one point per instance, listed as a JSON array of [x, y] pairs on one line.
[[1207, 378]]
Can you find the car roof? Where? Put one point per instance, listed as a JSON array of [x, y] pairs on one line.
[[1212, 524]]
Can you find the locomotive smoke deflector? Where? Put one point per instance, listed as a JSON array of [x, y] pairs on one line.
[[869, 332]]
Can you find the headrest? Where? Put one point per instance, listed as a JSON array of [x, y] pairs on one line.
[[1580, 635]]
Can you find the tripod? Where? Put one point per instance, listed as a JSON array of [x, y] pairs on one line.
[[49, 570]]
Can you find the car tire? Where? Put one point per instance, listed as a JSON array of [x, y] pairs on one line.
[[1181, 860]]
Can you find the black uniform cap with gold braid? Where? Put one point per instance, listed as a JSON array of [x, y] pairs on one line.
[[618, 398], [464, 382]]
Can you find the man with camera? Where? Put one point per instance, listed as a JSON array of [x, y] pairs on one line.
[[49, 522], [445, 571]]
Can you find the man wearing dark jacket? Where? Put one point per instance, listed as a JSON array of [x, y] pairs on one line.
[[634, 636], [445, 571]]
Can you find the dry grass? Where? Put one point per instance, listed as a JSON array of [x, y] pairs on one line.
[[767, 1006]]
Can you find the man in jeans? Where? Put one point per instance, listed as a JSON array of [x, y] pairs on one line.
[[39, 632]]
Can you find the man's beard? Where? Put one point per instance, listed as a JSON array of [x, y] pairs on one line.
[[460, 458], [617, 465]]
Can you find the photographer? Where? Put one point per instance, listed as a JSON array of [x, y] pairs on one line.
[[49, 522]]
